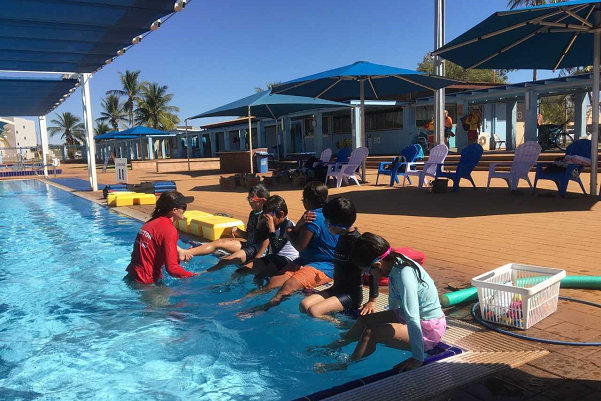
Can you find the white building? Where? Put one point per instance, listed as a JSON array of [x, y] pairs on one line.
[[18, 133]]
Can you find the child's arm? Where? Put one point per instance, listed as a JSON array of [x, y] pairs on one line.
[[238, 233], [300, 240], [370, 306], [262, 248]]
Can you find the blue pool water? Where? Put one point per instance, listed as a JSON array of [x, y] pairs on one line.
[[71, 329]]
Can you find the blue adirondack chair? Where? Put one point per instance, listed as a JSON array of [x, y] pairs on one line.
[[410, 153], [470, 157], [582, 148]]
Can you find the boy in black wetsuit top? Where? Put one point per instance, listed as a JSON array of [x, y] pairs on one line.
[[347, 291], [281, 251]]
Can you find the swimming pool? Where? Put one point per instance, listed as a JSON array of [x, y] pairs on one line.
[[72, 329]]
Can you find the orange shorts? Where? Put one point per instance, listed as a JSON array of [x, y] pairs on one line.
[[309, 276]]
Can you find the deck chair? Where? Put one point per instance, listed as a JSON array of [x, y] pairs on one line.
[[325, 156], [347, 170], [410, 154], [498, 142], [438, 154], [470, 157], [525, 156], [580, 148]]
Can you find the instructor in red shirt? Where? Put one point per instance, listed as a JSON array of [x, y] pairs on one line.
[[156, 242]]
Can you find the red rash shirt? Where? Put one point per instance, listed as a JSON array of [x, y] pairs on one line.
[[155, 246]]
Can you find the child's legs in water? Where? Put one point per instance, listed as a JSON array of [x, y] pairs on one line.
[[354, 334], [236, 258], [320, 304], [227, 245], [394, 335]]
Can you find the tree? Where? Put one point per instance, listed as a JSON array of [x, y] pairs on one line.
[[153, 108], [113, 112], [131, 88], [71, 130], [513, 4], [455, 71], [101, 128], [269, 85]]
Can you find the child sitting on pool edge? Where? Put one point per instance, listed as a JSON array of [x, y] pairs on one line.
[[315, 244], [255, 234], [415, 321], [281, 251], [346, 293]]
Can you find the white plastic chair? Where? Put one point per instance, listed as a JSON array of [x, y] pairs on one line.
[[525, 156], [346, 171], [438, 154], [499, 143], [325, 156]]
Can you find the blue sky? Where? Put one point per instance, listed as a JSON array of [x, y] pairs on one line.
[[215, 52]]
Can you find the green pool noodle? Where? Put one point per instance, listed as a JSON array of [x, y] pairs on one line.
[[471, 294]]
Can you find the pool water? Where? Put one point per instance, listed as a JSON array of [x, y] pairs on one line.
[[71, 328]]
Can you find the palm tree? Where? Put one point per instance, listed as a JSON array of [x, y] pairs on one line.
[[101, 128], [113, 112], [269, 85], [513, 4], [71, 129], [130, 89], [153, 108]]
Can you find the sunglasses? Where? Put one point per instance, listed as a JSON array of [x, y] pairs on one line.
[[254, 198]]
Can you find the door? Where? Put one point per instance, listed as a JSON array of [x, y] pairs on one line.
[[296, 136]]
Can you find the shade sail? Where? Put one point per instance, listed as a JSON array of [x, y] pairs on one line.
[[535, 37], [72, 36], [263, 104], [344, 82], [133, 133], [31, 97]]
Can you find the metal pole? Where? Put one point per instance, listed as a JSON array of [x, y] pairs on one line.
[[439, 69], [84, 80], [362, 134], [250, 140], [595, 108], [44, 140], [187, 144], [277, 138]]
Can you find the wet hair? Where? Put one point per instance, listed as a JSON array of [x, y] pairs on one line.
[[275, 203], [260, 191], [369, 246], [340, 211], [316, 194], [166, 202]]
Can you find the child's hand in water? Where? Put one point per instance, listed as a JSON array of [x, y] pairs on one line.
[[409, 364]]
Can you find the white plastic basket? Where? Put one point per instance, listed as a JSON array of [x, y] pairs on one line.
[[518, 295]]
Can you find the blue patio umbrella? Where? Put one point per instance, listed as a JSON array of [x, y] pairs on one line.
[[348, 82], [264, 104], [561, 35]]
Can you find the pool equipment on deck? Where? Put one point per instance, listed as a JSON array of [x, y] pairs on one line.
[[471, 294]]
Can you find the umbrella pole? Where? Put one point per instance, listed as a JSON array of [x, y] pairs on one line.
[[250, 140], [187, 144], [362, 124], [595, 111]]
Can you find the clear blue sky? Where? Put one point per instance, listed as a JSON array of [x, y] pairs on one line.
[[215, 52]]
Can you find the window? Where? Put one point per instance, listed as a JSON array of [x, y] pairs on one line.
[[325, 126], [384, 121], [342, 125], [309, 128]]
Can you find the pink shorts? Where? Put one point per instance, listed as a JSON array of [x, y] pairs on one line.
[[432, 330]]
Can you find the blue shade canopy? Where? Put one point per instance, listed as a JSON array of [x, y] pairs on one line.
[[132, 133], [263, 104], [381, 81], [72, 36], [31, 97], [545, 37]]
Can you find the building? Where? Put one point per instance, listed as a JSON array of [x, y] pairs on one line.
[[20, 139]]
